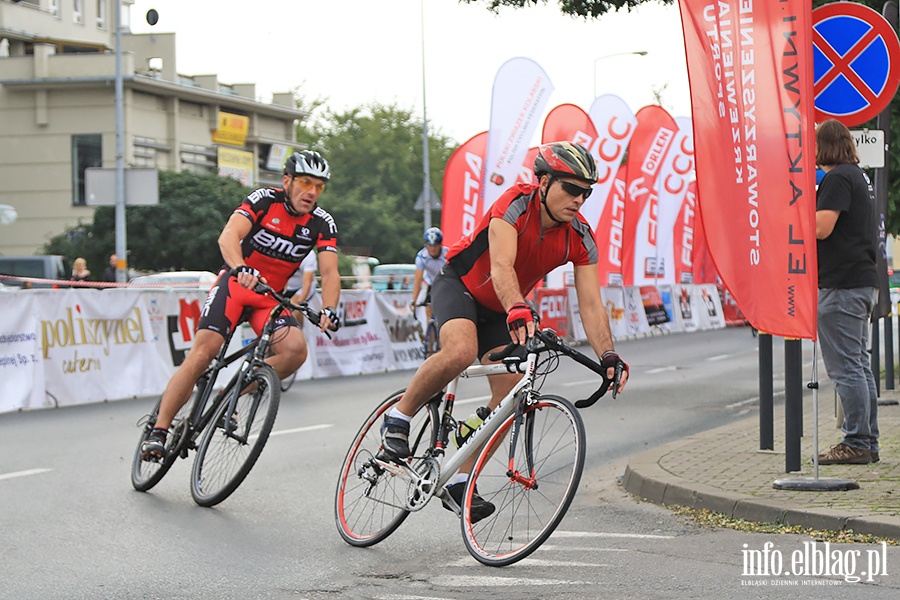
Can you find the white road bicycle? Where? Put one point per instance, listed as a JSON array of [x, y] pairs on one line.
[[531, 484]]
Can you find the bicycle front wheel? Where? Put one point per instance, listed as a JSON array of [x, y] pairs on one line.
[[532, 492], [369, 503], [288, 381], [146, 473], [234, 440]]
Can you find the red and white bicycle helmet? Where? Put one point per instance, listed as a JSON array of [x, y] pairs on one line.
[[565, 159]]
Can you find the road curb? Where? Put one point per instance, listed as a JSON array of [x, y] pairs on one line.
[[645, 478]]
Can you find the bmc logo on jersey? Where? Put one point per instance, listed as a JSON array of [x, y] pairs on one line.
[[280, 245]]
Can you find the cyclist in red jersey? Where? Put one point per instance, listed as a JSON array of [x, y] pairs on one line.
[[478, 298], [265, 239]]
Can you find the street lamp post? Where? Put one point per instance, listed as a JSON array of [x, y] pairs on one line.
[[426, 184], [121, 245], [599, 58]]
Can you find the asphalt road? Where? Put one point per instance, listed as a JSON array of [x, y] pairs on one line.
[[72, 526]]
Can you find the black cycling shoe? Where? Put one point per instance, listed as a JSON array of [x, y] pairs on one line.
[[395, 437], [481, 508], [154, 447]]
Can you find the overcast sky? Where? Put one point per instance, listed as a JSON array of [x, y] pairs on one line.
[[352, 52]]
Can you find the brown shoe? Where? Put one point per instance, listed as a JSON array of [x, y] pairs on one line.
[[842, 454]]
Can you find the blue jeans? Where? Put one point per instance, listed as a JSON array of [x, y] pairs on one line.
[[844, 316]]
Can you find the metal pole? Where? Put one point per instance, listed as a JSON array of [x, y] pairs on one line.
[[875, 342], [426, 186], [766, 394], [793, 397], [121, 245]]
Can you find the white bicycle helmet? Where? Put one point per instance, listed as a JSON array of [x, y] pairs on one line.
[[307, 162]]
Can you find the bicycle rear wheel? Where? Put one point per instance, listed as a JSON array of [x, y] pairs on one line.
[[144, 473], [547, 464], [369, 504], [224, 458]]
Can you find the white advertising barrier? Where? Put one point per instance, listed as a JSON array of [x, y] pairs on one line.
[[361, 345], [97, 345], [635, 315], [404, 330], [21, 365]]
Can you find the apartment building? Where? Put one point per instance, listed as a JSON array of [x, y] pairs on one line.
[[58, 117]]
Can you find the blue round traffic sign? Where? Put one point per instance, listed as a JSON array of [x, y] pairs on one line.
[[856, 63]]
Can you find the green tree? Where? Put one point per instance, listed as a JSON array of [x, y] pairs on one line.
[[577, 8], [181, 232], [375, 153]]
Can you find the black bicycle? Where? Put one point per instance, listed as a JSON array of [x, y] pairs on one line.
[[241, 422]]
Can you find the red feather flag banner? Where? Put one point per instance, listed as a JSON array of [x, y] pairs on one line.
[[462, 196], [750, 68]]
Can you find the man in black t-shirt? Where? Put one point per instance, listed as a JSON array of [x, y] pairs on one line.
[[846, 229]]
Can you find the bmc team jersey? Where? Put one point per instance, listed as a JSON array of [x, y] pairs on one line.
[[538, 252], [278, 240], [429, 265]]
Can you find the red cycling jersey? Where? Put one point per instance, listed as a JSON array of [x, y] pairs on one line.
[[537, 254], [279, 241]]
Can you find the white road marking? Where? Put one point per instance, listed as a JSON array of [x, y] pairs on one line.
[[408, 597], [454, 581], [300, 429], [601, 534], [719, 357], [566, 548], [660, 370], [24, 473]]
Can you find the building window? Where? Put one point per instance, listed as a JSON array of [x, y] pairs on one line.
[[77, 11], [87, 151], [101, 14], [54, 8]]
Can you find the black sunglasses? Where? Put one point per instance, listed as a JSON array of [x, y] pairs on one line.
[[575, 190]]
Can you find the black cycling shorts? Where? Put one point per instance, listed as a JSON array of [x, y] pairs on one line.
[[451, 300], [229, 304]]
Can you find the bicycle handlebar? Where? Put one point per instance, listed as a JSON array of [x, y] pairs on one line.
[[547, 339], [303, 307]]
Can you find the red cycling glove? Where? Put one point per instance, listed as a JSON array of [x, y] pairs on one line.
[[519, 315]]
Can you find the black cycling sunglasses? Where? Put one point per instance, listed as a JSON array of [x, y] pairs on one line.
[[575, 190]]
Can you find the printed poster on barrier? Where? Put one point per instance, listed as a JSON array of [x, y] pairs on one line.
[[21, 367], [361, 345], [553, 309], [97, 345], [711, 315], [668, 301], [404, 330], [686, 307], [576, 327], [614, 302], [635, 314]]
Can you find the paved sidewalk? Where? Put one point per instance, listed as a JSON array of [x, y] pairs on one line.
[[723, 470]]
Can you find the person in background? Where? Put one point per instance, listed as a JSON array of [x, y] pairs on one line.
[[302, 284], [429, 261], [847, 230], [80, 272], [109, 273]]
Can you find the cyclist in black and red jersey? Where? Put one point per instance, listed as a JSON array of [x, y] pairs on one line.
[[478, 298], [265, 239]]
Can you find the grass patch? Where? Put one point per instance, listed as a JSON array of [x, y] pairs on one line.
[[713, 519]]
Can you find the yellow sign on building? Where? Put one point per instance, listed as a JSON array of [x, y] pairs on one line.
[[232, 129], [237, 164]]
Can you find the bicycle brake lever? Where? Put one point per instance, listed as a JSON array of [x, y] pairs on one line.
[[615, 381]]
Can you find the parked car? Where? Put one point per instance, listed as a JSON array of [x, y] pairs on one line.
[[50, 266], [403, 275], [181, 279]]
